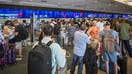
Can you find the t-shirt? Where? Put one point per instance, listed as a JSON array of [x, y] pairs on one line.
[[71, 31], [19, 30], [38, 25], [124, 31], [115, 34], [109, 38], [80, 42]]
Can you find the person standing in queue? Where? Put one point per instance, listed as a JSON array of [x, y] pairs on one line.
[[58, 55], [124, 31], [109, 39], [80, 42], [18, 40]]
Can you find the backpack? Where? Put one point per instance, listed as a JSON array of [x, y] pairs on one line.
[[108, 41], [24, 34], [56, 29], [94, 44], [39, 60]]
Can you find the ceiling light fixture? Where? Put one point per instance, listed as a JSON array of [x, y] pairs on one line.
[[130, 3]]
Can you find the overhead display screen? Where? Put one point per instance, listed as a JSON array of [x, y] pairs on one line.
[[126, 16], [116, 16], [26, 13], [11, 13], [109, 16], [1, 13], [90, 15], [101, 15]]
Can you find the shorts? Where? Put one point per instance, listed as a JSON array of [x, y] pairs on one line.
[[18, 45], [12, 40], [111, 57]]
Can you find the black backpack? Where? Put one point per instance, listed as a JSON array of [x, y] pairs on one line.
[[39, 59], [24, 34]]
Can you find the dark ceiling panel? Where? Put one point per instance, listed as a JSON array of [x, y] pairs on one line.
[[87, 5]]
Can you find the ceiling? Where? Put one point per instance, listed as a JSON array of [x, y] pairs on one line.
[[127, 2], [115, 6]]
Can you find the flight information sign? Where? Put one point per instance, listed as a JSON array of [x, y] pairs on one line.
[[26, 13]]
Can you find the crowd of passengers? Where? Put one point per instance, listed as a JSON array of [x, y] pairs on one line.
[[90, 39]]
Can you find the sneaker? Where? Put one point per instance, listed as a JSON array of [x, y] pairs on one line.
[[19, 59]]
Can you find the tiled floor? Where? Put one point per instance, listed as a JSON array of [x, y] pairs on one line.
[[21, 67], [129, 68]]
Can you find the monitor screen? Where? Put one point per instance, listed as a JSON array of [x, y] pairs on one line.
[[115, 15], [90, 15], [1, 13], [125, 16]]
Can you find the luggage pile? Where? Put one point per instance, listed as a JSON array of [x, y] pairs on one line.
[[7, 46], [7, 54]]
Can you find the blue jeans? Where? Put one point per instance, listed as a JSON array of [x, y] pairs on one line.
[[79, 60]]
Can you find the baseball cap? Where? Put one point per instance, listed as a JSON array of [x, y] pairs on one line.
[[107, 23]]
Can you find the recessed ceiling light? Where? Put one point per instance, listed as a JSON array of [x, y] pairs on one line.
[[130, 3]]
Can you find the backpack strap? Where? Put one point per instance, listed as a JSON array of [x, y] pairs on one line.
[[86, 30], [49, 43]]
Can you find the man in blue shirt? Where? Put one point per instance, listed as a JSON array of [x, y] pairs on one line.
[[109, 40], [37, 27], [38, 24], [80, 42]]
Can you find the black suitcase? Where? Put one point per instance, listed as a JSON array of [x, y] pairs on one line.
[[122, 62], [90, 60], [2, 56], [39, 60]]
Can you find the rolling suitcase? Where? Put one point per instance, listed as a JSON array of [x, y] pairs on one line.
[[2, 56], [90, 60], [122, 62], [11, 53]]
